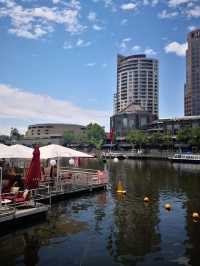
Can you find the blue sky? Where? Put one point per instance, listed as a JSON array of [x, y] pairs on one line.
[[58, 57]]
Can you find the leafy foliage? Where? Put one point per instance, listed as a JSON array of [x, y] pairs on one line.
[[95, 134], [137, 137], [189, 136]]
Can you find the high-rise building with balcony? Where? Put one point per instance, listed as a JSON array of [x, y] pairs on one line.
[[192, 86], [137, 82]]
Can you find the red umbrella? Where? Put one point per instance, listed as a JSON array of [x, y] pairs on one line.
[[34, 172]]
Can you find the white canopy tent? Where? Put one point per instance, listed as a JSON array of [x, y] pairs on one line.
[[3, 146], [54, 151], [3, 150], [17, 151], [58, 151], [14, 152]]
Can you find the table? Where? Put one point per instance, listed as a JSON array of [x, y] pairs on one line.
[[6, 201]]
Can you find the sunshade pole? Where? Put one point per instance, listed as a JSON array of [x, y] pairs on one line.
[[58, 165], [1, 169]]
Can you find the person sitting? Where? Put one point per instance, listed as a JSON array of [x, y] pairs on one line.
[[15, 188]]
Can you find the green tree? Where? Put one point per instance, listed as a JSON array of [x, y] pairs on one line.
[[184, 135], [69, 137], [155, 138], [194, 139], [137, 137], [15, 135], [95, 134]]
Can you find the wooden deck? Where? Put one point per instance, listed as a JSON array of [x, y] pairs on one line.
[[71, 183], [55, 196], [11, 217]]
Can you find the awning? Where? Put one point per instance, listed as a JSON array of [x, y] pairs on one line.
[[17, 151], [125, 145], [108, 145], [58, 151]]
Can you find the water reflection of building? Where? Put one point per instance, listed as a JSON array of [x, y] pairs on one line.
[[31, 249], [190, 184], [186, 167], [135, 231]]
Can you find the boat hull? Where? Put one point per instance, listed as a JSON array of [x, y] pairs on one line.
[[173, 160]]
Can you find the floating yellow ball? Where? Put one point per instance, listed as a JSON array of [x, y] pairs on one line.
[[120, 188], [195, 215], [168, 206], [146, 199]]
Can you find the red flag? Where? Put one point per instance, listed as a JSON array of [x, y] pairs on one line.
[[111, 135]]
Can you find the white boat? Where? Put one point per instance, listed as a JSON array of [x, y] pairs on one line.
[[185, 158]]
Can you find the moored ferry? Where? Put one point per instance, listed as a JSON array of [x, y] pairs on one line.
[[185, 158]]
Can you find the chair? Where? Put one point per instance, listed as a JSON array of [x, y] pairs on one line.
[[22, 197]]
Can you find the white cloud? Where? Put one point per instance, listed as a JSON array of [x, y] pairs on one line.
[[136, 48], [90, 64], [128, 6], [28, 107], [36, 22], [194, 12], [78, 44], [174, 3], [67, 45], [108, 4], [55, 1], [124, 43], [164, 14], [191, 28], [149, 52], [145, 2], [124, 21], [104, 65], [82, 43], [97, 27], [154, 2], [177, 48], [92, 16], [150, 2]]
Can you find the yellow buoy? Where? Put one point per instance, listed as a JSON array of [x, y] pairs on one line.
[[195, 215], [168, 206], [120, 188], [146, 199]]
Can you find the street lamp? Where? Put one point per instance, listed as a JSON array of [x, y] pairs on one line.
[[53, 162], [71, 161], [115, 160], [1, 170]]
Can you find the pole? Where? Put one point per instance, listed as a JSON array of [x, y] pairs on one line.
[[1, 169], [58, 166]]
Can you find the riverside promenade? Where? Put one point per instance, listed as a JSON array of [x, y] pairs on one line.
[[156, 155]]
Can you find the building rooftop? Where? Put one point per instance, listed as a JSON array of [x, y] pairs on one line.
[[55, 124], [196, 117]]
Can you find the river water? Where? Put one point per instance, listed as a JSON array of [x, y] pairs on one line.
[[108, 229]]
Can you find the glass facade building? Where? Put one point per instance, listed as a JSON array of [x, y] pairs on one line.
[[137, 82], [192, 86]]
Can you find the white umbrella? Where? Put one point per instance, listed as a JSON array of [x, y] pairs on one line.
[[3, 150], [3, 146], [58, 151], [17, 151]]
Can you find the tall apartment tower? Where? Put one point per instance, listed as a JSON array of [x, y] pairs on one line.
[[192, 86], [137, 82]]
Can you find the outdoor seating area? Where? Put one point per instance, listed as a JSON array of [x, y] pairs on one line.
[[42, 178]]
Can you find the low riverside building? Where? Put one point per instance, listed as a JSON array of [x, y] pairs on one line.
[[133, 117], [173, 125], [50, 133]]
